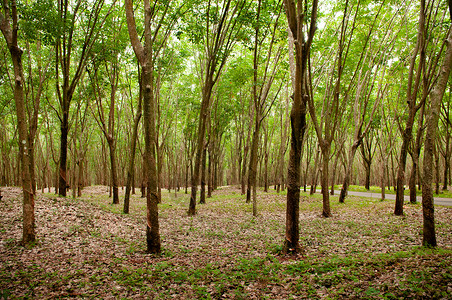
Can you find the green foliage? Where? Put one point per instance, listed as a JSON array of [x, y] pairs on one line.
[[39, 20]]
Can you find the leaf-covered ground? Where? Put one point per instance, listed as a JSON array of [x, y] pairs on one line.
[[87, 248]]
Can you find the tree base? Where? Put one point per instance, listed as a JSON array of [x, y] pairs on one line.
[[326, 214], [290, 249]]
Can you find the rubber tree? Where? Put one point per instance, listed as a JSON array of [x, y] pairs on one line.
[[218, 36], [436, 97], [71, 58], [445, 137], [155, 17], [105, 63], [133, 147], [420, 78], [361, 85], [107, 124], [414, 80], [9, 28], [333, 105], [302, 27], [263, 78]]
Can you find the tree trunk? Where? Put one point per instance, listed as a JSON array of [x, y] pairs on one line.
[[298, 124], [412, 183], [367, 182], [348, 172], [80, 178], [446, 162], [429, 235], [324, 181], [436, 156], [314, 174], [131, 169], [202, 196], [382, 182], [145, 57], [209, 173], [152, 228], [114, 175], [252, 172], [297, 117], [333, 177], [10, 34], [244, 167], [64, 128], [411, 101], [415, 155], [398, 211], [200, 145]]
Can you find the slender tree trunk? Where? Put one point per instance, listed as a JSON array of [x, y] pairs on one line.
[[348, 172], [80, 178], [209, 173], [314, 174], [244, 177], [367, 182], [62, 181], [411, 100], [114, 175], [446, 162], [10, 33], [429, 235], [298, 122], [252, 173], [297, 116], [398, 211], [383, 177], [415, 154], [333, 177], [202, 196], [152, 228], [325, 193], [200, 145], [436, 156], [130, 171], [412, 183], [266, 171]]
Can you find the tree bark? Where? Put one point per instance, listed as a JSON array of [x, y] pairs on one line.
[[202, 196], [64, 58], [325, 193], [205, 105], [114, 173], [429, 235], [130, 171], [437, 178], [252, 173], [10, 33], [213, 64], [297, 118], [348, 171], [145, 57], [412, 91]]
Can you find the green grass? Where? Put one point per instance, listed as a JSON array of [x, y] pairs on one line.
[[330, 272]]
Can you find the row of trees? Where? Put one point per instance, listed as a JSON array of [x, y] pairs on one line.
[[179, 94]]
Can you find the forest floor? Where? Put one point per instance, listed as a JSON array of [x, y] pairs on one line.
[[86, 248]]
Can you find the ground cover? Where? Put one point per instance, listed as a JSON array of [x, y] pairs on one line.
[[87, 248]]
